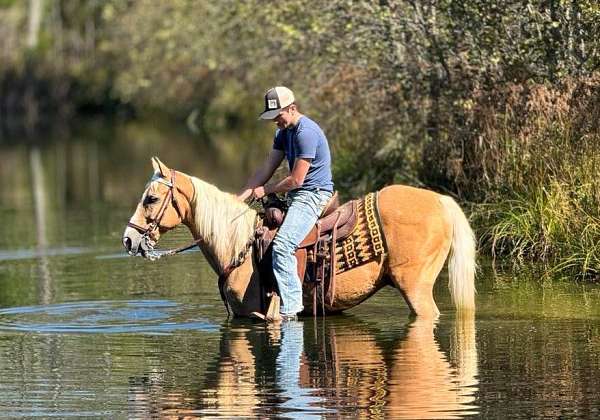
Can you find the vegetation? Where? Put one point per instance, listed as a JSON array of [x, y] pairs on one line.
[[495, 102], [539, 178]]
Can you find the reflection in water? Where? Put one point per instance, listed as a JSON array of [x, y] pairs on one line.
[[407, 377], [297, 395], [107, 161], [423, 383], [39, 200], [301, 369]]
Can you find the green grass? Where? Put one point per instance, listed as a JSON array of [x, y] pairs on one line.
[[551, 225]]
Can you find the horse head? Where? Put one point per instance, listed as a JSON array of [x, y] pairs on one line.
[[163, 206]]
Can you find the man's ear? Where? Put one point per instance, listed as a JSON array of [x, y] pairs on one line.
[[159, 167]]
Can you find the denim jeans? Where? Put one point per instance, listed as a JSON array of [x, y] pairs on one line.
[[304, 210]]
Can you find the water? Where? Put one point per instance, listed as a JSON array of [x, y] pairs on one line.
[[86, 331]]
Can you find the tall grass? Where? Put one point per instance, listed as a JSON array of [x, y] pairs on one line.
[[538, 174], [544, 226]]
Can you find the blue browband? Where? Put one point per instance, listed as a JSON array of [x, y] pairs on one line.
[[156, 177]]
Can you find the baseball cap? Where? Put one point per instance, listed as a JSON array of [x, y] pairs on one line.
[[275, 99]]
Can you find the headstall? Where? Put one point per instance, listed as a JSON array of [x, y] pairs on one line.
[[155, 222]]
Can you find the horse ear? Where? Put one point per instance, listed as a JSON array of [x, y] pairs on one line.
[[159, 167]]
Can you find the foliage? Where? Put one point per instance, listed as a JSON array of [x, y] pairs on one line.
[[540, 176], [527, 135], [491, 101]]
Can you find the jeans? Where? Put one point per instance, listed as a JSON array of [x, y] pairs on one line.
[[305, 208]]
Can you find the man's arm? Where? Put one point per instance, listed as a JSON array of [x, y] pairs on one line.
[[264, 173], [291, 182]]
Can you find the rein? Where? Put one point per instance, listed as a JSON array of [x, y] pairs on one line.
[[197, 242], [182, 248]]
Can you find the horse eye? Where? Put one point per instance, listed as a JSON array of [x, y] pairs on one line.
[[150, 199]]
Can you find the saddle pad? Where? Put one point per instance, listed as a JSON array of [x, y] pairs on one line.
[[366, 242]]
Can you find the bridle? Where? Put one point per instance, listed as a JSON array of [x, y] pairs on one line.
[[155, 221]]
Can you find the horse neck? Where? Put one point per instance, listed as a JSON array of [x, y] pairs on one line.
[[223, 223]]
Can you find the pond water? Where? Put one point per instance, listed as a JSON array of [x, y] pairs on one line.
[[86, 331]]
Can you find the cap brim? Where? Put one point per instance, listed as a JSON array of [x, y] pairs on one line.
[[269, 115]]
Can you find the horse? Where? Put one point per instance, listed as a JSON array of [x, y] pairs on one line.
[[422, 230]]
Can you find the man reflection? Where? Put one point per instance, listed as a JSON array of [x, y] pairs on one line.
[[298, 398]]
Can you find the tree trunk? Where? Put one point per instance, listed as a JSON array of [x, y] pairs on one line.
[[35, 20]]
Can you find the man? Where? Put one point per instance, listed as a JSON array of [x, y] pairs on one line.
[[309, 186]]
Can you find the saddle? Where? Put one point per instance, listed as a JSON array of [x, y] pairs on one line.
[[316, 254]]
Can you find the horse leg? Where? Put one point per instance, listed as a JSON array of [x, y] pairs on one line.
[[242, 289], [415, 281]]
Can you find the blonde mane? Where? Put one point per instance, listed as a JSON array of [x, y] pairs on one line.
[[223, 222]]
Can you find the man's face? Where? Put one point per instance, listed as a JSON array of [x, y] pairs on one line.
[[285, 118]]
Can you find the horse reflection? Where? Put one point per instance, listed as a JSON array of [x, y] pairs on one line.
[[327, 367], [345, 368], [424, 383]]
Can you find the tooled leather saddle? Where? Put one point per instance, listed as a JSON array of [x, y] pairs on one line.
[[317, 254]]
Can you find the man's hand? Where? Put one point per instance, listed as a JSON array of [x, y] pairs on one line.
[[259, 192], [262, 175]]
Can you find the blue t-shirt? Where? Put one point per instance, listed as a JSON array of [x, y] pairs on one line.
[[307, 140]]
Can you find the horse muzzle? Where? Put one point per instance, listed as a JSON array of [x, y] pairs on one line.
[[135, 243]]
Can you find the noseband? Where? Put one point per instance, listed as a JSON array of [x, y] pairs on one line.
[[170, 198]]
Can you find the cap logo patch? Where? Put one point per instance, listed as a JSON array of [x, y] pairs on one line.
[[272, 103]]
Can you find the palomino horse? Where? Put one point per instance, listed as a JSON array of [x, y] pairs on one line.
[[421, 229]]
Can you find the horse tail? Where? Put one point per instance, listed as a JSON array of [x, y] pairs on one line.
[[462, 265]]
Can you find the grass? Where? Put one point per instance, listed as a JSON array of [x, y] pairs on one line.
[[551, 224]]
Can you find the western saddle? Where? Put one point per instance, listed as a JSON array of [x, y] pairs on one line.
[[316, 254]]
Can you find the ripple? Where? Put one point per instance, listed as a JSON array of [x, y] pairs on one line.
[[24, 254], [158, 253], [106, 317]]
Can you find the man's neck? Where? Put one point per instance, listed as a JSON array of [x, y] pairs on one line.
[[296, 120]]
